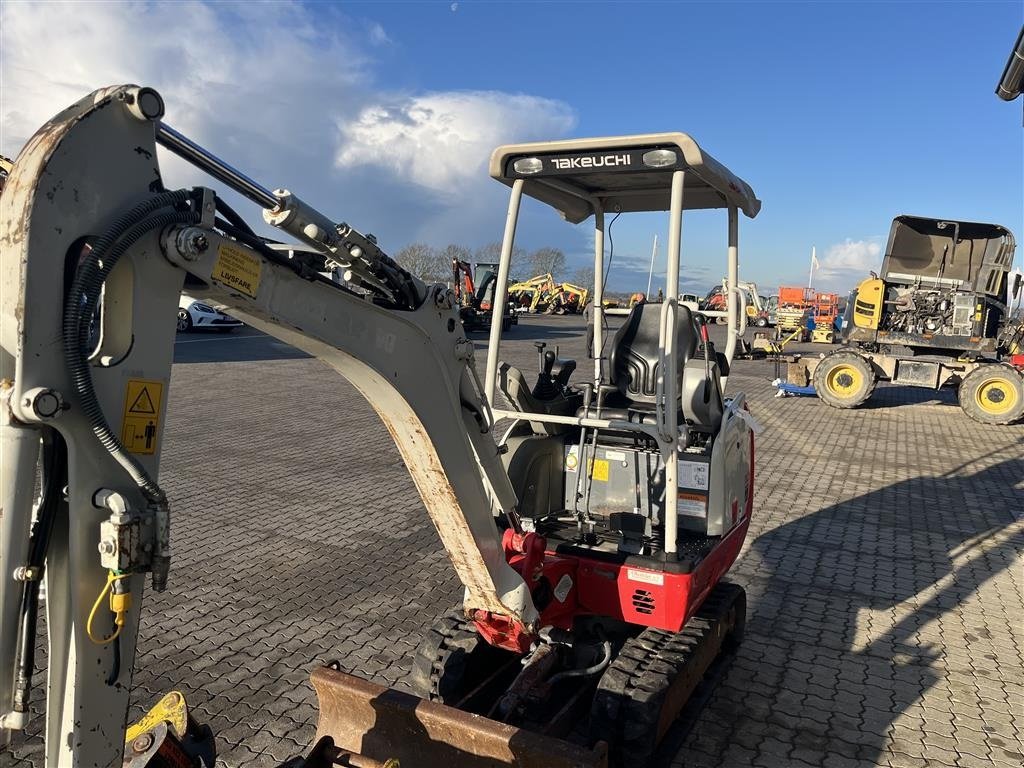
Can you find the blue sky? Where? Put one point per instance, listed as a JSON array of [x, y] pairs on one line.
[[840, 115]]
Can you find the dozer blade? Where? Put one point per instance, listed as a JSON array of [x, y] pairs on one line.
[[384, 724]]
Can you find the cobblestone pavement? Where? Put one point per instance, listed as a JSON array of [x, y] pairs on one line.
[[883, 569]]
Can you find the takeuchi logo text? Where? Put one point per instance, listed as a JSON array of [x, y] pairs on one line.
[[596, 161]]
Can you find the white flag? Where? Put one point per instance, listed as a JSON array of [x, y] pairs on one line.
[[814, 259]]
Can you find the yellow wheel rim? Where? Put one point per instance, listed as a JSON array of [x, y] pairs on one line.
[[996, 396], [844, 380]]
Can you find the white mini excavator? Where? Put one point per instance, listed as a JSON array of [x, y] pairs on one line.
[[591, 537]]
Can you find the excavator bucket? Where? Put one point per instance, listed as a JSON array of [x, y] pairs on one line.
[[369, 726]]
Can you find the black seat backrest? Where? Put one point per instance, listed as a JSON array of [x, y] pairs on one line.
[[635, 355]]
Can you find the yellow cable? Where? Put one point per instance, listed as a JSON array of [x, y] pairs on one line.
[[119, 617]]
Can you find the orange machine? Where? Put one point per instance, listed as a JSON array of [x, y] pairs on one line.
[[795, 305], [800, 298], [462, 281], [826, 309]]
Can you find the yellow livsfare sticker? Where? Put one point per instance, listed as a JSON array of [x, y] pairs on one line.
[[141, 423], [237, 269], [599, 470]]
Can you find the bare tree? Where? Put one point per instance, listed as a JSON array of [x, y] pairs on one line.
[[454, 251], [518, 267], [547, 259], [489, 253], [584, 277], [425, 262]]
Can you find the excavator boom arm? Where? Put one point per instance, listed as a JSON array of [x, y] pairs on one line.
[[93, 255]]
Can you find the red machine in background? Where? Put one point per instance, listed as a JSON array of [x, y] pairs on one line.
[[474, 301]]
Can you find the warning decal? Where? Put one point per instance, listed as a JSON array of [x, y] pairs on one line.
[[141, 422], [599, 470], [692, 504], [237, 269]]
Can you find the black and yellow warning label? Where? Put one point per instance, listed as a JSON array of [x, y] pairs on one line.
[[141, 423], [237, 269]]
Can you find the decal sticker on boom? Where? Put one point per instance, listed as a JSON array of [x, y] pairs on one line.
[[141, 423], [238, 270]]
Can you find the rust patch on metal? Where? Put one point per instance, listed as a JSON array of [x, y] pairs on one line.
[[382, 724], [437, 495]]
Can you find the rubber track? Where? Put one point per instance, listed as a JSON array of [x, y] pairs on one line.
[[440, 661], [630, 697]]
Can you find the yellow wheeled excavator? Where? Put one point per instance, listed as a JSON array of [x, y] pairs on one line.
[[593, 601], [940, 313]]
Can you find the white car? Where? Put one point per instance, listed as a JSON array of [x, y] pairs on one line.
[[194, 315]]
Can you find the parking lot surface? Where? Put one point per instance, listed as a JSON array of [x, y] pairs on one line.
[[883, 568]]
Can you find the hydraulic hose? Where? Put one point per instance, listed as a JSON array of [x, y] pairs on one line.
[[87, 284], [606, 657], [54, 476], [79, 307], [232, 215]]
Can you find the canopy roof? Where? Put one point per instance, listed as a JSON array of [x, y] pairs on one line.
[[618, 171]]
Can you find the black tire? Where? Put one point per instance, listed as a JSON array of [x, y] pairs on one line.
[[993, 394], [844, 379], [184, 321], [762, 322]]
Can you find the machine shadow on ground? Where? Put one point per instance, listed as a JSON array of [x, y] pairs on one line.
[[865, 578], [893, 396]]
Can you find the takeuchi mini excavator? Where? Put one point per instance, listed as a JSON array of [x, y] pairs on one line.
[[591, 537]]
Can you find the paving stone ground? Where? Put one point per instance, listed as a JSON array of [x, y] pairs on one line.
[[883, 569]]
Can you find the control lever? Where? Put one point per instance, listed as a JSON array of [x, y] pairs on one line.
[[549, 364]]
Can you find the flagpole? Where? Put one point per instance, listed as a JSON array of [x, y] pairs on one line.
[[650, 273], [810, 276]]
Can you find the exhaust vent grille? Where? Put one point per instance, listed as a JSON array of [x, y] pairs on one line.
[[643, 601]]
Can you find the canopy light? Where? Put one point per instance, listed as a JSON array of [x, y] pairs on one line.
[[528, 165], [659, 158]]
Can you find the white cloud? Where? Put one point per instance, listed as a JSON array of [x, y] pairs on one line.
[[281, 91], [442, 141], [848, 261], [222, 70], [378, 36]]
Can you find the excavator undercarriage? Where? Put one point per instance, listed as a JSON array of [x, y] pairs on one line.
[[592, 538]]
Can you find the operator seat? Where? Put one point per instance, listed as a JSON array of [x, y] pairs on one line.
[[634, 361]]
